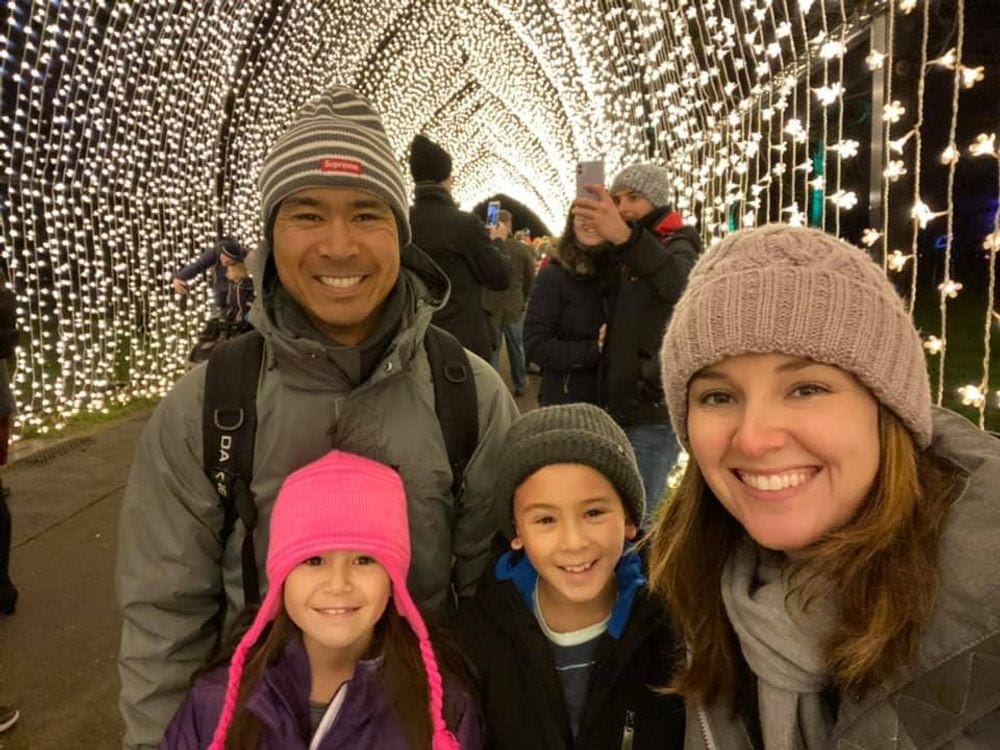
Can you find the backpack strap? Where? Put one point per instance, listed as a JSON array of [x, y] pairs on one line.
[[455, 400], [229, 426]]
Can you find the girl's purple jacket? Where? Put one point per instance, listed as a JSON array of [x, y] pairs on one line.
[[281, 700]]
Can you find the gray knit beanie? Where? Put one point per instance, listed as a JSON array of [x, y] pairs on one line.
[[335, 140], [803, 292], [570, 434], [649, 180]]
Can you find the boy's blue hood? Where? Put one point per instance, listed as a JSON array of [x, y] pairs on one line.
[[517, 568]]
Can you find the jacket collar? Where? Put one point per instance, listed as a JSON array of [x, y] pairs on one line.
[[283, 693], [308, 358], [517, 568], [942, 683], [433, 192]]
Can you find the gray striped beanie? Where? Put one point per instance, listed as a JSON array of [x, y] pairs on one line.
[[335, 140], [798, 291]]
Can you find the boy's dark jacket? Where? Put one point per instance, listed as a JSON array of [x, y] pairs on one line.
[[521, 694]]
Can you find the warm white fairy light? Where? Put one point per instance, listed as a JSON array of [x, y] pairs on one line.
[[897, 261], [894, 169], [984, 145], [950, 288], [933, 345], [893, 111]]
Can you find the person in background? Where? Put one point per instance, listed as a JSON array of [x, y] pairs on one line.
[[506, 308], [222, 254], [568, 643], [460, 245], [830, 554], [8, 362], [565, 320], [652, 253], [239, 295], [338, 654]]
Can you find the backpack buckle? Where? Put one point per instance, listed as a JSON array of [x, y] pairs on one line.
[[219, 413], [455, 372]]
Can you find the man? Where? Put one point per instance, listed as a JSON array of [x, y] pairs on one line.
[[506, 308], [220, 256], [458, 242], [653, 253], [343, 305]]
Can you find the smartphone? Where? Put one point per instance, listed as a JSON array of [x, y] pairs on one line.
[[588, 173], [492, 213]]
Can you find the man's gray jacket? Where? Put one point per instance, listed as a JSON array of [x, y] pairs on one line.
[[312, 397]]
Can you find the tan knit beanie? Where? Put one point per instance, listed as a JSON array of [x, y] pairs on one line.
[[803, 292]]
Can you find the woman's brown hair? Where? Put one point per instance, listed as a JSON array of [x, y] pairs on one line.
[[882, 565], [570, 255], [402, 671]]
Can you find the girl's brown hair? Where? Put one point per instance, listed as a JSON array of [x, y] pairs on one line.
[[882, 565], [402, 673]]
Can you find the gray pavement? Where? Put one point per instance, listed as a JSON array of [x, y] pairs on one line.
[[57, 653]]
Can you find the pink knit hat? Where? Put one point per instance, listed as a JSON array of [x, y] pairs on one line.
[[341, 501], [803, 292]]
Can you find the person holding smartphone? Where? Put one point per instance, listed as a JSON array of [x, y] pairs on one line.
[[652, 253]]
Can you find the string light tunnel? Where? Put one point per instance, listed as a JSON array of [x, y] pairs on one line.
[[132, 134]]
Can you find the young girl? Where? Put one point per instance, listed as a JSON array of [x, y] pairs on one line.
[[338, 655], [831, 554]]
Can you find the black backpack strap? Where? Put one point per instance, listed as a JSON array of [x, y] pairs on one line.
[[229, 426], [454, 400]]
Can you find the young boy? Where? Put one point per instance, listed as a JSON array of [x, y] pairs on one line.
[[568, 644]]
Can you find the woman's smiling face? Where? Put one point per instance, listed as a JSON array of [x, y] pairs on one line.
[[789, 446]]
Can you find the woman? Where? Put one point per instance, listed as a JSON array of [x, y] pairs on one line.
[[564, 323], [830, 557]]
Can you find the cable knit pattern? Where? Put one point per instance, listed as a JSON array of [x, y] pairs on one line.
[[802, 292], [340, 502]]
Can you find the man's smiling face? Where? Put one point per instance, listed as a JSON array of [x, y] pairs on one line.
[[336, 250]]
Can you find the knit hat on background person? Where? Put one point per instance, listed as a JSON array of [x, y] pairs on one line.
[[569, 434], [336, 139], [797, 291], [231, 248], [340, 502], [428, 161], [649, 180]]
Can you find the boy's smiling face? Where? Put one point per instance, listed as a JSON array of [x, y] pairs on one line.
[[571, 523]]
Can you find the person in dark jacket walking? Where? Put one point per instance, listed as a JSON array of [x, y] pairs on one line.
[[459, 243], [338, 654], [506, 308], [222, 254], [568, 645], [652, 256], [563, 326], [8, 343]]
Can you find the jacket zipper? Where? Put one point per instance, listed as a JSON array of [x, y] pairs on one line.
[[706, 730], [628, 733], [565, 384]]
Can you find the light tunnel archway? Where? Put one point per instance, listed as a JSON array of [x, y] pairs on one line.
[[132, 133]]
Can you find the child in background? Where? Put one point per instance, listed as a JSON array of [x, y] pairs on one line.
[[338, 655], [239, 294], [569, 645]]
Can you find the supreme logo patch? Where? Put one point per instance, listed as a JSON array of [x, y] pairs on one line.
[[351, 166]]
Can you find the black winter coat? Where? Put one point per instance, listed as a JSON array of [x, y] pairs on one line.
[[565, 313], [458, 243], [8, 323], [521, 694], [647, 278]]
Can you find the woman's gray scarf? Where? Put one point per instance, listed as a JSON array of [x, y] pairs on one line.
[[783, 644]]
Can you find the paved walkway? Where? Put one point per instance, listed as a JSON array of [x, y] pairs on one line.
[[57, 653]]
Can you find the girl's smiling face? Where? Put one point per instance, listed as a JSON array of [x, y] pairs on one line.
[[789, 446], [336, 599]]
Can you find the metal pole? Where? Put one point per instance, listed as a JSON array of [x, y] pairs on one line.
[[879, 38]]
